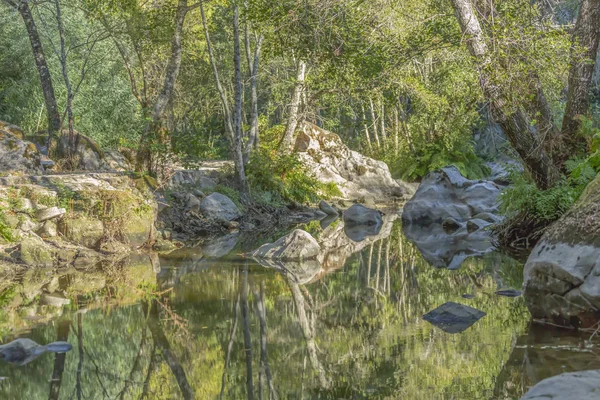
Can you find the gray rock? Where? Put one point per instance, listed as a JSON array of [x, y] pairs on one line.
[[328, 220], [562, 273], [192, 203], [54, 300], [356, 176], [295, 246], [18, 155], [453, 317], [29, 226], [327, 208], [361, 215], [50, 213], [219, 207], [36, 253], [489, 217], [509, 293], [48, 229], [584, 385], [198, 193], [476, 224], [116, 161], [447, 194]]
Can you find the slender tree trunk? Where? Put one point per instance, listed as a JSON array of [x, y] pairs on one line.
[[238, 154], [366, 126], [396, 132], [162, 344], [264, 359], [516, 124], [294, 117], [253, 137], [42, 67], [155, 131], [247, 337], [236, 311], [309, 334], [81, 355], [382, 118], [374, 123], [584, 53], [65, 73]]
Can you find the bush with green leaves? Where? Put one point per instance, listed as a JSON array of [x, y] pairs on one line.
[[276, 177]]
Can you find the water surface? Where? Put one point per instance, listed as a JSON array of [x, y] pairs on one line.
[[205, 327]]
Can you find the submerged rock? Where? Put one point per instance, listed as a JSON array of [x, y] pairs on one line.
[[297, 245], [584, 385], [219, 207], [509, 293], [453, 317], [562, 273], [23, 351]]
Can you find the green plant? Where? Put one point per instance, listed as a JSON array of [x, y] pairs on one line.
[[283, 178], [548, 205], [5, 229]]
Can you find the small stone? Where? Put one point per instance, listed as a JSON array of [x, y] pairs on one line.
[[327, 208], [468, 296], [453, 317], [50, 213], [509, 293], [48, 229], [232, 225], [166, 234], [193, 204], [54, 300], [29, 226], [198, 193]]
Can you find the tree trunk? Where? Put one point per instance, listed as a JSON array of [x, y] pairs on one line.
[[396, 131], [62, 334], [585, 38], [43, 71], [155, 132], [374, 123], [247, 337], [238, 155], [366, 127], [253, 138], [292, 124], [516, 124], [264, 359], [65, 73], [382, 121]]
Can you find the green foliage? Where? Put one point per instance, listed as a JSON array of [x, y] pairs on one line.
[[282, 178], [5, 229], [548, 205]]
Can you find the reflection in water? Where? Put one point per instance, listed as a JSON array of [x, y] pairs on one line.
[[210, 328]]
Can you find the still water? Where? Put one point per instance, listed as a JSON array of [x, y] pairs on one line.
[[206, 323]]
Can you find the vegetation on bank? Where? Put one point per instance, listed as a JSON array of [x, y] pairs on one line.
[[405, 82]]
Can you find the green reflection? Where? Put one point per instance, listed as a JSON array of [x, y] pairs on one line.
[[234, 330]]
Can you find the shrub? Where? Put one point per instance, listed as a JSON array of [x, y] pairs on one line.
[[279, 178]]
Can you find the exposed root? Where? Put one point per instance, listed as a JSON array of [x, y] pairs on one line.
[[519, 234]]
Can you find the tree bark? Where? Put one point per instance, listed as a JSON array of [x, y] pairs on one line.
[[65, 73], [374, 123], [584, 52], [42, 67], [247, 337], [238, 154], [294, 117], [366, 127], [253, 137], [154, 132], [515, 123]]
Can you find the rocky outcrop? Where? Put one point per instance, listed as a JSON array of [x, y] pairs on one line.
[[58, 220], [447, 194], [584, 385], [562, 274], [448, 216], [327, 253], [358, 177], [18, 155]]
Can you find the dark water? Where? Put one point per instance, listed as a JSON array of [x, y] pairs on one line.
[[195, 326]]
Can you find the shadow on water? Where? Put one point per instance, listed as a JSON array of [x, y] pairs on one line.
[[205, 323]]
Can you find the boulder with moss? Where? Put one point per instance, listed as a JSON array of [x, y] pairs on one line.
[[562, 274]]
